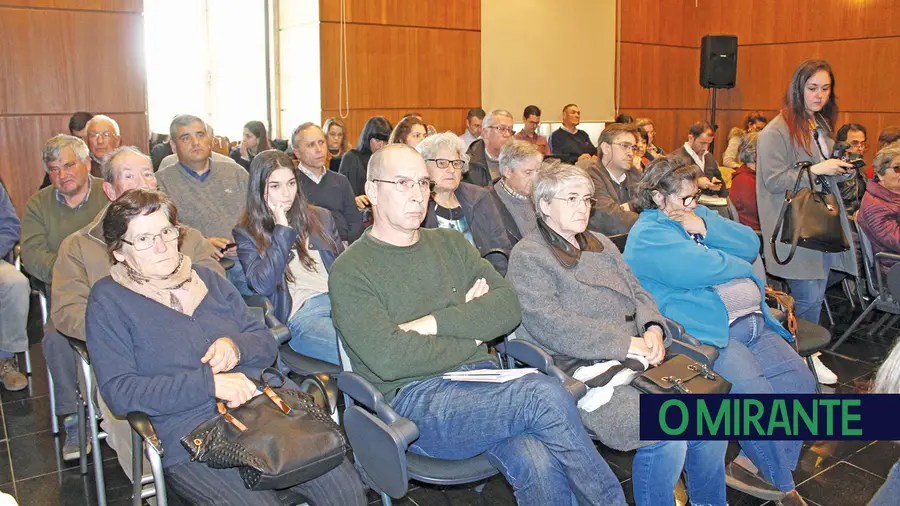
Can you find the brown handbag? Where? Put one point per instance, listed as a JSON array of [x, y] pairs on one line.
[[810, 219], [680, 374]]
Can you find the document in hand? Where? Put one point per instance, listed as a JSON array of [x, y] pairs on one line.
[[488, 375]]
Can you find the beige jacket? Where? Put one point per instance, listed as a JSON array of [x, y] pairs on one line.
[[82, 260]]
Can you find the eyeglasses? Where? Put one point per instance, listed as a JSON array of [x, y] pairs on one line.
[[858, 144], [895, 168], [443, 163], [406, 184], [146, 241], [503, 130], [691, 198], [97, 135], [573, 201], [627, 146]]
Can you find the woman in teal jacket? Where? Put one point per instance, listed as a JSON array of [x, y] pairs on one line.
[[698, 267]]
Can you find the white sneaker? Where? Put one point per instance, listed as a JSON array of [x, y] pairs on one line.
[[825, 375]]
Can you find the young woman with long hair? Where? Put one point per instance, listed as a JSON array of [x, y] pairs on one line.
[[254, 140]]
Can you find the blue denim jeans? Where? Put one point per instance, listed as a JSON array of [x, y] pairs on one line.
[[656, 469], [529, 428], [810, 293], [758, 360], [889, 493], [312, 331]]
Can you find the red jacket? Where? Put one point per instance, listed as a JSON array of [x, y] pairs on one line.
[[743, 196], [879, 217]]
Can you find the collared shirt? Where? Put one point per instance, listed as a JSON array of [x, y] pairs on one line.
[[62, 198], [539, 140], [618, 180], [197, 175], [468, 138], [697, 159], [315, 178], [512, 193]]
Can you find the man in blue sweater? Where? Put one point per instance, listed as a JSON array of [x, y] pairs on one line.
[[325, 188], [14, 291]]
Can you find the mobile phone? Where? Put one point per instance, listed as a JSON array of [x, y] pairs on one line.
[[228, 246]]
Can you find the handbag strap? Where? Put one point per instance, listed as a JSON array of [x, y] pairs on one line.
[[788, 198]]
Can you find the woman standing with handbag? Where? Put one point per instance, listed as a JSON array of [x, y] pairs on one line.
[[802, 132]]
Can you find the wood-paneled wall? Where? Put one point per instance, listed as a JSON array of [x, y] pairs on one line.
[[660, 59], [402, 57], [62, 56]]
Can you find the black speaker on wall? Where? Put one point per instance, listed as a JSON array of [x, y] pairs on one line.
[[718, 61]]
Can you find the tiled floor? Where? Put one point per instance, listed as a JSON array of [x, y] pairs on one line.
[[829, 473]]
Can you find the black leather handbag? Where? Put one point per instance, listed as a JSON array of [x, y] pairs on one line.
[[277, 440], [681, 374], [809, 219]]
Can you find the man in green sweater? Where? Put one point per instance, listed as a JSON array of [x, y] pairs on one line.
[[413, 304], [56, 211]]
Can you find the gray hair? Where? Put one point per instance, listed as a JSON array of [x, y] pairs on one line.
[[887, 379], [376, 166], [52, 148], [884, 158], [183, 120], [302, 128], [491, 117], [101, 117], [514, 152], [552, 179], [108, 169], [430, 146], [747, 148], [665, 174]]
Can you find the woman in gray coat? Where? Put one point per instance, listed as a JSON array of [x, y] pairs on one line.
[[802, 133], [582, 304]]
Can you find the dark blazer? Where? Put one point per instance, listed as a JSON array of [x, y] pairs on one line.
[[606, 216], [354, 165], [710, 169], [235, 155], [265, 271], [509, 223], [484, 219], [478, 173]]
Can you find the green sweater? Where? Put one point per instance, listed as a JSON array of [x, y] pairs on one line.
[[47, 222], [375, 287]]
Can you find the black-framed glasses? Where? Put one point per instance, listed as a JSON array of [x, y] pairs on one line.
[[146, 241], [98, 135], [406, 184], [691, 198], [627, 146], [574, 200], [503, 129], [443, 163]]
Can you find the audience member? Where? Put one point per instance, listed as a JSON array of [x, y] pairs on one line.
[[529, 427], [78, 123], [473, 126], [519, 163], [83, 261], [461, 206], [614, 180], [532, 119], [623, 119], [743, 182], [14, 297], [784, 142], [409, 130], [484, 154], [887, 136], [887, 381], [160, 151], [582, 304], [338, 142], [755, 122], [853, 188], [210, 193], [55, 212], [653, 151], [696, 150], [286, 247], [322, 187], [721, 302], [373, 137], [568, 143], [255, 140], [102, 134], [640, 160], [879, 213], [176, 368]]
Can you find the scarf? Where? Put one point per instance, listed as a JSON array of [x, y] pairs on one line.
[[160, 289]]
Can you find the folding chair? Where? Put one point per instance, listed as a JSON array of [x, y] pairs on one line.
[[87, 411]]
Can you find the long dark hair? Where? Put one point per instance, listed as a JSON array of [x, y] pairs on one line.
[[259, 131], [377, 127], [258, 220], [794, 108]]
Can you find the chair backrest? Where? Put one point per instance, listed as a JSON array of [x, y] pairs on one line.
[[868, 258], [345, 358], [619, 240]]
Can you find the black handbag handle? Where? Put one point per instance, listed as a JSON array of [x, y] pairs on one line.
[[788, 197]]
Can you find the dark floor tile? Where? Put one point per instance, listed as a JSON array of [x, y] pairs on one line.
[[812, 463], [34, 455], [877, 458], [846, 368], [863, 349], [738, 498], [619, 462], [69, 487], [11, 490], [2, 427], [842, 484], [839, 450], [497, 491], [5, 471], [628, 488], [26, 416]]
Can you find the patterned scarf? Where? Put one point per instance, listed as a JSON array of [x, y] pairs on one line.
[[161, 289]]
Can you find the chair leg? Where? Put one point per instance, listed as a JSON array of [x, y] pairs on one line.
[[828, 312], [82, 431], [874, 328], [159, 481], [386, 499], [887, 326], [812, 369], [845, 284], [27, 362], [54, 421], [853, 326], [137, 468], [95, 433]]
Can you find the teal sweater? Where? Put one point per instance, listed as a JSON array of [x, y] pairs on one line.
[[375, 287], [681, 275]]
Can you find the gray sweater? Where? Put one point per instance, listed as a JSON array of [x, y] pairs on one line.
[[580, 313], [521, 210], [213, 205]]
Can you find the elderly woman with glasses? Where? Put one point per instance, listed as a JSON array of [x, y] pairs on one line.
[[582, 304], [697, 265], [170, 339], [461, 206]]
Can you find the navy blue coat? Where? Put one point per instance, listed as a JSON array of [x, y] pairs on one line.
[[265, 271]]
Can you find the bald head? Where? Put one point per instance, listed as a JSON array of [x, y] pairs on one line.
[[393, 155], [126, 168], [102, 134]]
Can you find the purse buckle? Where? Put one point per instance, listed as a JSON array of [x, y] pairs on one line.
[[677, 383], [703, 370]]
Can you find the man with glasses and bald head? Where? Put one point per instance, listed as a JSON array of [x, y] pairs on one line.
[[615, 180], [484, 154], [102, 136]]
